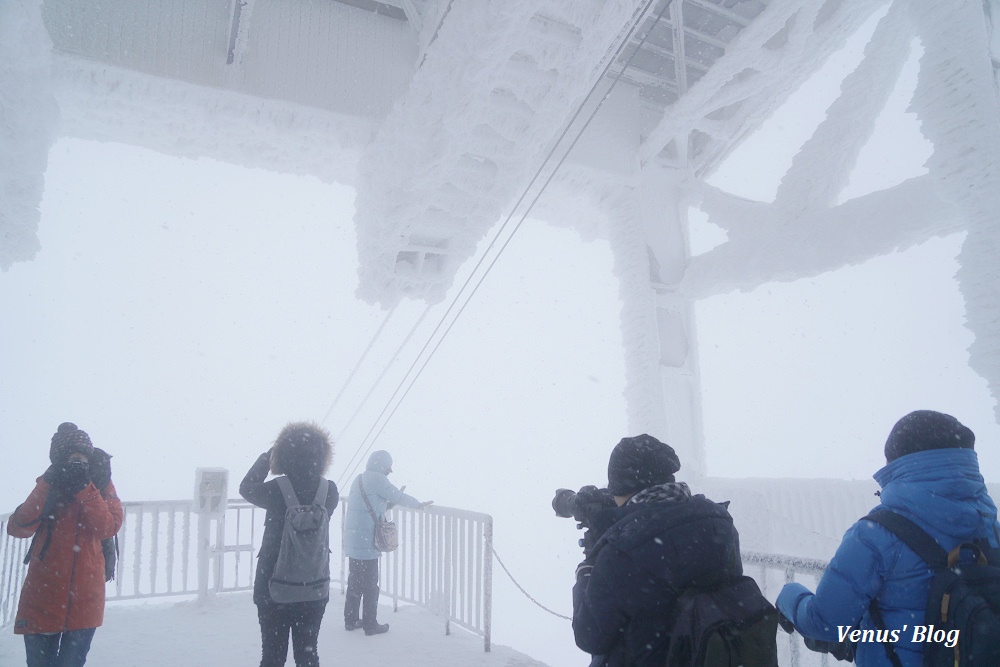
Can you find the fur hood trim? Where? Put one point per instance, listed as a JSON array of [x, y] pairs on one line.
[[301, 447]]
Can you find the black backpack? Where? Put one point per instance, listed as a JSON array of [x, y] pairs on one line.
[[109, 547], [964, 597], [731, 625]]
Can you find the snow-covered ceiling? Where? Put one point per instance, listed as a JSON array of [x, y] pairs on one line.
[[442, 112]]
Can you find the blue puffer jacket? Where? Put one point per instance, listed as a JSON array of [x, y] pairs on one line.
[[359, 527], [942, 491]]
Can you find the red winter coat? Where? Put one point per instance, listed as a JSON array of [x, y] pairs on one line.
[[65, 590]]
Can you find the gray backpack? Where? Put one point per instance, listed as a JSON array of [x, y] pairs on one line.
[[302, 571]]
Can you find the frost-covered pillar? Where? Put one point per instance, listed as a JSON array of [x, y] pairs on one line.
[[28, 118], [959, 110], [648, 240]]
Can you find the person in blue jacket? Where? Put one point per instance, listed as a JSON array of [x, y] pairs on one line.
[[932, 478], [359, 540]]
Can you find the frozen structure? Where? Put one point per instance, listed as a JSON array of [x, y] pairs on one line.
[[448, 116]]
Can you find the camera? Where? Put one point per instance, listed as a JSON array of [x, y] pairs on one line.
[[593, 509]]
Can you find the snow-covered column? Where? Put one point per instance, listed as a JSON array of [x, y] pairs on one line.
[[992, 9], [649, 243], [959, 109], [28, 119]]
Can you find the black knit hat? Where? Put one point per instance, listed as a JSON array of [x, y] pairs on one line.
[[640, 462], [924, 430], [69, 440]]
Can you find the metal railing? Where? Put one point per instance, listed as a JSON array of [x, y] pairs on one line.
[[158, 552], [444, 562], [771, 571]]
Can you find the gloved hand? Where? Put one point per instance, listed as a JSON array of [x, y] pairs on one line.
[[71, 478], [50, 474], [785, 623], [839, 650], [100, 469], [424, 504]]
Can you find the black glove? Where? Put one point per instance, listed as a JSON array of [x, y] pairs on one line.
[[100, 468], [785, 623], [50, 474], [839, 650], [71, 478]]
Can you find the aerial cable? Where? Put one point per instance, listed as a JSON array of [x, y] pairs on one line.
[[361, 360], [482, 259], [375, 384]]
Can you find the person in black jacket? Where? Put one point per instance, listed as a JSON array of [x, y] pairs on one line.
[[662, 540], [302, 452]]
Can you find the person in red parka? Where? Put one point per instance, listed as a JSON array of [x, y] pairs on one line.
[[62, 600]]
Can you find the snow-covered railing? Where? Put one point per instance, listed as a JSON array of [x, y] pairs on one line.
[[158, 553], [773, 571], [444, 562], [12, 552], [161, 542]]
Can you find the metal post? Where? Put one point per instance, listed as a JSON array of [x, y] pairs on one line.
[[488, 583], [204, 525]]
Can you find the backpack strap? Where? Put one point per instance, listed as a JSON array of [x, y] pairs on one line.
[[922, 544], [285, 484], [912, 536], [321, 491]]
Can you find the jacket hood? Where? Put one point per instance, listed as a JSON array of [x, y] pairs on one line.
[[939, 488], [380, 461], [302, 449]]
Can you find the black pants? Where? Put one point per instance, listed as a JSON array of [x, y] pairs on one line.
[[362, 584], [61, 649], [302, 619]]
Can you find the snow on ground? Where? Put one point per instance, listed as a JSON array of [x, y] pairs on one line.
[[223, 631]]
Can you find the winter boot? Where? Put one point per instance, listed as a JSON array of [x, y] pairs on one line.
[[370, 612], [376, 629], [352, 607]]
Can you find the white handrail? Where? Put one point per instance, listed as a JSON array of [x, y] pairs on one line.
[[774, 570], [444, 561]]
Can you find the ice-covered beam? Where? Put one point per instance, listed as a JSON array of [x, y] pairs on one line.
[[28, 122], [766, 62], [765, 245], [516, 71], [822, 167]]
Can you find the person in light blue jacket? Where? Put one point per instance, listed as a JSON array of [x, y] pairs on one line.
[[932, 478], [359, 540]]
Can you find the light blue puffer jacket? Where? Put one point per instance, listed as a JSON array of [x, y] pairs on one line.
[[942, 491], [359, 527]]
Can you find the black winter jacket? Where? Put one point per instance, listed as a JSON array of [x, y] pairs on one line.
[[268, 495], [623, 606]]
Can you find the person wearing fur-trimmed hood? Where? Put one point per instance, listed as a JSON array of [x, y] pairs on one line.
[[302, 452], [359, 540]]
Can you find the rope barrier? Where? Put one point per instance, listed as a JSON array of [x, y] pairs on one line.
[[521, 588]]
